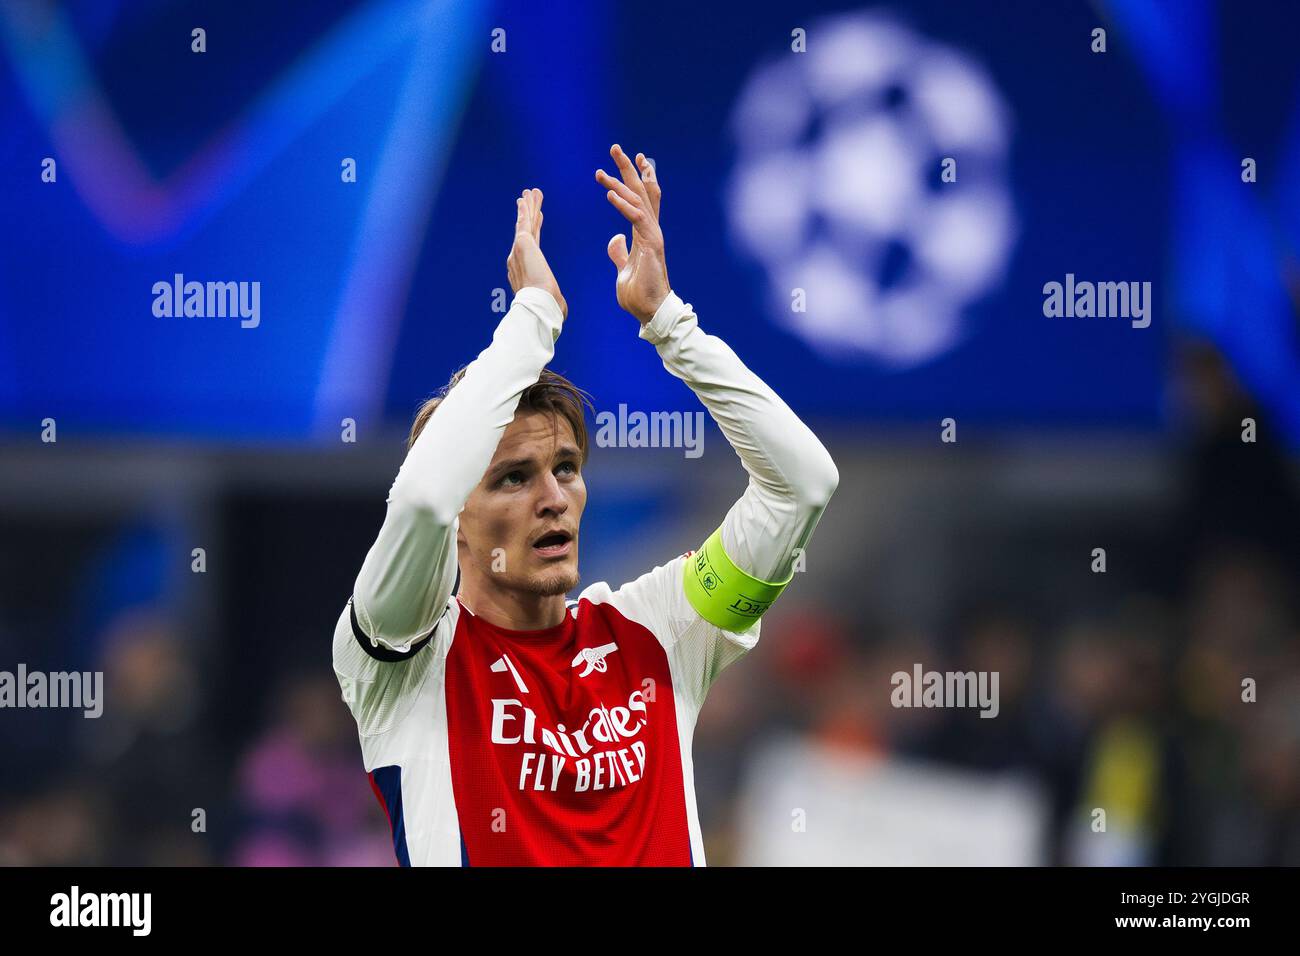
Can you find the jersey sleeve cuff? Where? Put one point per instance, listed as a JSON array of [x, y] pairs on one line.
[[545, 303], [670, 312]]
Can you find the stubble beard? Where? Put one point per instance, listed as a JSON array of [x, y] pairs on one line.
[[551, 582]]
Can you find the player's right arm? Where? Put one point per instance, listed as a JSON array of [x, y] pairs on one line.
[[408, 575]]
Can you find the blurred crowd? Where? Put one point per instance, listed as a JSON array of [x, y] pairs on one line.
[[1139, 712], [1174, 708], [150, 783]]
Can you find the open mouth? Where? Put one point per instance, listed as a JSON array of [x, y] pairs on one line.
[[553, 545]]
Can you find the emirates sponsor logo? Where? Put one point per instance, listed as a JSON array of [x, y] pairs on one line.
[[577, 760]]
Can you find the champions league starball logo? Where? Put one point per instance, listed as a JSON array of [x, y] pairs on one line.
[[839, 190]]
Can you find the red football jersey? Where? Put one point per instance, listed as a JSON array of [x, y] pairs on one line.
[[565, 746]]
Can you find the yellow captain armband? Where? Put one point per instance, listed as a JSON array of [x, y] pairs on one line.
[[723, 594]]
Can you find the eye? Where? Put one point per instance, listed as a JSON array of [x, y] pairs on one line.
[[572, 468], [512, 479]]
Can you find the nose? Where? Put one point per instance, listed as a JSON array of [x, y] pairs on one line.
[[551, 500]]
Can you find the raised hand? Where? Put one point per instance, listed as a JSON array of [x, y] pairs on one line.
[[642, 283], [526, 266]]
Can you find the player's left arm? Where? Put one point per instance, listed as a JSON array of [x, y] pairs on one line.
[[745, 564]]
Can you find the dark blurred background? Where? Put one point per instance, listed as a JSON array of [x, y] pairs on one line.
[[809, 176]]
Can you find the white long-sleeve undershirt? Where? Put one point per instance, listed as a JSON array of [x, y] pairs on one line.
[[791, 475], [409, 572]]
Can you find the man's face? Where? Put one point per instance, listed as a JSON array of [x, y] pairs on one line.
[[519, 529]]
